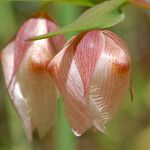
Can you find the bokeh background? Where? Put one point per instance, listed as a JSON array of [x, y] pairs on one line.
[[130, 128]]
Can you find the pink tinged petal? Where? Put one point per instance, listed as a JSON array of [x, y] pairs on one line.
[[30, 29], [67, 78], [57, 41], [87, 53], [27, 30], [109, 81], [75, 108], [37, 86], [15, 92], [78, 122], [32, 89]]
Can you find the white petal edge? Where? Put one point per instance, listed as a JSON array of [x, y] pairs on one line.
[[17, 99]]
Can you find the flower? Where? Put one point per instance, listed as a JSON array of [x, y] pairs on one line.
[[24, 64], [92, 72], [144, 3]]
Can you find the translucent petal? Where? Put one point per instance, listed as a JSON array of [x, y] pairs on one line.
[[15, 92], [109, 81], [31, 28], [66, 75], [32, 90], [37, 86]]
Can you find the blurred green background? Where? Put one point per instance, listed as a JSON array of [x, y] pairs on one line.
[[130, 128]]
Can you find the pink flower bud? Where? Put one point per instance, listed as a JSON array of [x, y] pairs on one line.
[[24, 64], [144, 3], [92, 72]]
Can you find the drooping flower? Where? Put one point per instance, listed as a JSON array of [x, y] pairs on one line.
[[144, 3], [92, 72], [24, 64]]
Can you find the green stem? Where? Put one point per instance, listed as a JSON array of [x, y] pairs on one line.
[[44, 5]]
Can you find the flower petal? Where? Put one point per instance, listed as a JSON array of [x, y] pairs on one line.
[[27, 30], [66, 75], [110, 79], [39, 24], [15, 92], [32, 90], [37, 86], [87, 52], [78, 122], [57, 41]]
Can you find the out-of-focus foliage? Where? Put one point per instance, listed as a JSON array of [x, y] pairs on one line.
[[130, 128]]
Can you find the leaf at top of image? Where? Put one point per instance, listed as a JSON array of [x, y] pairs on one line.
[[103, 15]]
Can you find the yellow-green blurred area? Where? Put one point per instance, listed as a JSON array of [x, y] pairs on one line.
[[130, 127]]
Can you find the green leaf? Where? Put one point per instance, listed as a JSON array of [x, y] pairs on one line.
[[79, 2], [103, 15]]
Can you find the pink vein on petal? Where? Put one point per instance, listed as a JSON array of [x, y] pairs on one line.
[[87, 54], [26, 31], [116, 38], [57, 41]]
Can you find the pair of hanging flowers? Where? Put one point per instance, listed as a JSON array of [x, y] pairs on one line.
[[91, 71]]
